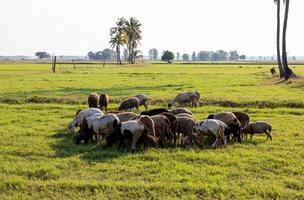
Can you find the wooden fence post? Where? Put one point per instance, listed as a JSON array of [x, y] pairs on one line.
[[54, 65], [74, 63]]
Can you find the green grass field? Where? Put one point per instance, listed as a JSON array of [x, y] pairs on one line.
[[39, 160]]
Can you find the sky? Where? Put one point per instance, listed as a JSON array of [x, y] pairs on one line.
[[74, 27]]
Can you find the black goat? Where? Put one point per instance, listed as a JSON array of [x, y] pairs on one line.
[[155, 111], [235, 130]]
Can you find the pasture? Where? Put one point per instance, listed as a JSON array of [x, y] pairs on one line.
[[38, 158]]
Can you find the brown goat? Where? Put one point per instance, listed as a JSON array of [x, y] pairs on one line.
[[162, 129], [185, 126], [242, 117], [173, 123], [93, 100], [149, 124], [104, 101]]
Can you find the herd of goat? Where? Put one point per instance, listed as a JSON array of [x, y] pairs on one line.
[[160, 127]]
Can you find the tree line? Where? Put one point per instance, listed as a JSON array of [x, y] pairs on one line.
[[219, 55]]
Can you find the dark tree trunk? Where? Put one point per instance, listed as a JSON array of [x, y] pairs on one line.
[[288, 72], [281, 70], [129, 50], [117, 54]]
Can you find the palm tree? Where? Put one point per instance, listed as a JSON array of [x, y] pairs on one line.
[[288, 72], [118, 37], [137, 54], [115, 43], [133, 32], [281, 70]]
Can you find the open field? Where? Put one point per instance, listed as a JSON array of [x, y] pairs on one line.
[[38, 158]]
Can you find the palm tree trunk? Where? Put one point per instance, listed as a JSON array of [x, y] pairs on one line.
[[281, 70], [132, 47], [288, 72], [117, 54], [129, 49]]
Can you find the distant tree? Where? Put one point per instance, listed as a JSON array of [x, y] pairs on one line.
[[167, 56], [99, 55], [203, 56], [108, 54], [233, 55], [137, 55], [118, 37], [125, 54], [177, 56], [243, 57], [185, 57], [151, 54], [193, 56], [155, 54], [215, 56], [42, 54], [91, 55], [96, 56], [134, 35], [223, 55]]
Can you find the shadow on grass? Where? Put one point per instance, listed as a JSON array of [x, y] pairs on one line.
[[250, 142], [66, 147]]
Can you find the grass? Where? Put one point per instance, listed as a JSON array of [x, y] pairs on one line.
[[39, 160]]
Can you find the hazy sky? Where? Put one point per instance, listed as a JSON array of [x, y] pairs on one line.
[[74, 27]]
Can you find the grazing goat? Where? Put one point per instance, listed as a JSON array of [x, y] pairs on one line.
[[173, 124], [226, 117], [185, 126], [104, 102], [103, 126], [93, 100], [177, 111], [143, 100], [186, 98], [80, 115], [100, 126], [162, 130], [258, 127], [133, 131], [242, 117], [207, 127], [128, 104], [235, 130], [85, 132], [149, 124], [155, 111]]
